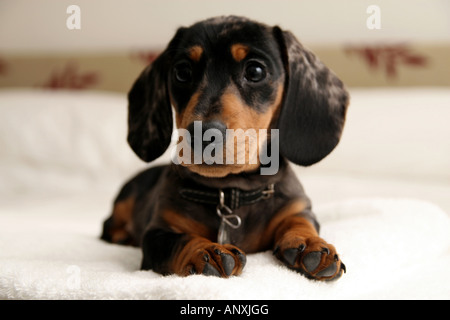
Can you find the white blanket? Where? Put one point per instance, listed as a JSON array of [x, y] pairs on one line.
[[392, 249], [63, 157]]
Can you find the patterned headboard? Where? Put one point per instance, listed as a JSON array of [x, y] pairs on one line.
[[358, 65]]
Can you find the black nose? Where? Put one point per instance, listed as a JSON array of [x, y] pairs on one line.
[[202, 136]]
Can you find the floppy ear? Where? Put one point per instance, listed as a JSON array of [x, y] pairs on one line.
[[314, 107], [150, 122], [149, 112]]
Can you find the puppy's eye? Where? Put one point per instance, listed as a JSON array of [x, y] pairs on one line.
[[183, 73], [255, 72]]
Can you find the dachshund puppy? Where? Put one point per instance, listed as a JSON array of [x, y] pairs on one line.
[[196, 216]]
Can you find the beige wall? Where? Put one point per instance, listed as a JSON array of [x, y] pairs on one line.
[[40, 25], [38, 50]]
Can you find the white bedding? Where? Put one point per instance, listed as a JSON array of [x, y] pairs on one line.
[[381, 197]]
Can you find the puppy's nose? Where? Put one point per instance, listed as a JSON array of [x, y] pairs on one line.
[[204, 133]]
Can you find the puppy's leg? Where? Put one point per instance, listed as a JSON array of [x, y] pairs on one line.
[[118, 227], [167, 252], [298, 245]]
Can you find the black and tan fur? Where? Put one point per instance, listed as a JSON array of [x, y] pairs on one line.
[[207, 74]]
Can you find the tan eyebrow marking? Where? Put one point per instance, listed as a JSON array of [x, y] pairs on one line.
[[239, 51], [195, 53]]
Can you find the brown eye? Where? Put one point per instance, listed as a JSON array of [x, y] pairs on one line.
[[255, 72], [183, 73]]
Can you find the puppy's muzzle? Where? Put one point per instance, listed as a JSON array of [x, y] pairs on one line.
[[207, 133]]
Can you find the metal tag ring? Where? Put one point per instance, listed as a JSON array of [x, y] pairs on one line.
[[227, 220]]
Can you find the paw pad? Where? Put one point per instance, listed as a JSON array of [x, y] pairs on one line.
[[216, 260], [313, 258]]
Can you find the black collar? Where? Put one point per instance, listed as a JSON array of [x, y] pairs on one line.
[[234, 198]]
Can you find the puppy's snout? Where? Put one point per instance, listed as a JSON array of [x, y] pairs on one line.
[[207, 133]]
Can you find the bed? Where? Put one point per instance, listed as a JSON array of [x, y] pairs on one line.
[[382, 198]]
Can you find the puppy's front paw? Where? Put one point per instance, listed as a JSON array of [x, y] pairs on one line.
[[212, 259], [312, 257]]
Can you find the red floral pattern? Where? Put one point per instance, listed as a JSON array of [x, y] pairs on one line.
[[388, 57], [71, 78], [146, 57]]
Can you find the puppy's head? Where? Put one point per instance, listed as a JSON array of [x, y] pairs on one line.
[[238, 78]]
